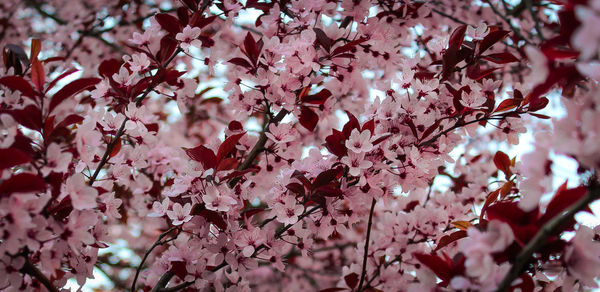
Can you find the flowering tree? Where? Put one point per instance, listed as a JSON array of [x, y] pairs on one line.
[[296, 145]]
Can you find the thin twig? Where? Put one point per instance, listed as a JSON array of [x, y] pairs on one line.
[[366, 254], [549, 229], [156, 243]]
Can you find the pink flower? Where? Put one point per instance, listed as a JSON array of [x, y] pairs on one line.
[[477, 33], [159, 209], [288, 212], [472, 99], [180, 214], [583, 257], [82, 195], [189, 36], [281, 133], [56, 160], [356, 162], [359, 142], [139, 62], [217, 201]]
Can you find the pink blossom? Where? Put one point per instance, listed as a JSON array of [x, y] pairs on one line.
[[359, 141], [189, 37], [82, 196], [180, 214]]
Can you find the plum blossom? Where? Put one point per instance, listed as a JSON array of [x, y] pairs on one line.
[[189, 37], [82, 196], [472, 99], [159, 209], [180, 214], [359, 141], [216, 200], [356, 162], [57, 161], [281, 133], [288, 212], [139, 62], [477, 33], [583, 256]]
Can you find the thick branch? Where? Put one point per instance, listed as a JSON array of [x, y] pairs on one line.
[[549, 229], [366, 254]]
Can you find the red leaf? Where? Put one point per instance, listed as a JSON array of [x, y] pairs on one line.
[[240, 62], [168, 45], [335, 143], [457, 37], [203, 155], [11, 157], [22, 183], [109, 67], [347, 47], [251, 48], [448, 239], [168, 22], [214, 218], [308, 119], [350, 125], [18, 83], [474, 72], [508, 104], [228, 145], [562, 200], [369, 125], [199, 20], [491, 38], [440, 267], [38, 76], [29, 117], [115, 150], [351, 280], [227, 164], [431, 129], [296, 188], [537, 104], [318, 98], [326, 177], [323, 39], [60, 77], [71, 89], [501, 58], [502, 162]]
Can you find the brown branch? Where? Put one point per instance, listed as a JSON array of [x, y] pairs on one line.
[[33, 271], [158, 242], [366, 254], [552, 227]]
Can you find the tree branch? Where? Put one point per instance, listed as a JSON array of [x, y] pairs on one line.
[[156, 243], [550, 228], [366, 254], [33, 271]]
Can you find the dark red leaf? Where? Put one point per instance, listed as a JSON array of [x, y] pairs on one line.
[[440, 267], [251, 48], [296, 188], [369, 125], [203, 155], [323, 39], [214, 218], [492, 38], [38, 76], [251, 212], [457, 37], [18, 83], [508, 104], [562, 200], [538, 103], [168, 45], [109, 67], [71, 89], [335, 143], [326, 177], [199, 20], [351, 280], [501, 58], [448, 239], [308, 118], [10, 157], [29, 117], [168, 22], [60, 77], [347, 47], [350, 125], [431, 129], [318, 98], [22, 183], [328, 191], [227, 164], [502, 162], [228, 145], [240, 62]]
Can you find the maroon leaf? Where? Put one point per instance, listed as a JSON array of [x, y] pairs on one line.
[[214, 218], [508, 104], [501, 58], [251, 48], [502, 162], [323, 39], [448, 239], [335, 143], [29, 117], [296, 188], [347, 47], [350, 125], [562, 200], [11, 157], [203, 155], [71, 89], [457, 37], [536, 104], [318, 98], [18, 83], [109, 67], [228, 145], [168, 45], [22, 183], [38, 76], [308, 118], [168, 22], [491, 38], [326, 177], [369, 125], [240, 62], [431, 129], [440, 267], [351, 280], [60, 77]]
